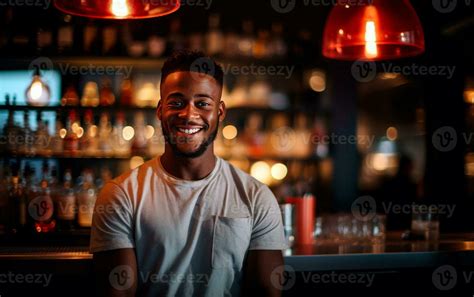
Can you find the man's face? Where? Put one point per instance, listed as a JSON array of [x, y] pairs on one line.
[[190, 111]]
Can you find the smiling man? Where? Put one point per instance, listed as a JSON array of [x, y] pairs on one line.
[[188, 223]]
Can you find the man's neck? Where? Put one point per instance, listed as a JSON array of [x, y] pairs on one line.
[[188, 168]]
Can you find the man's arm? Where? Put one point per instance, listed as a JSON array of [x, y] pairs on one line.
[[259, 267], [116, 273]]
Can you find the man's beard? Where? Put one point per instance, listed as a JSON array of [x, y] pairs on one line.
[[197, 153]]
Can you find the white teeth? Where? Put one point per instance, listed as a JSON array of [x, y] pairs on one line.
[[189, 131]]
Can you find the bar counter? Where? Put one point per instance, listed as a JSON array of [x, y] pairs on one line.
[[395, 265]]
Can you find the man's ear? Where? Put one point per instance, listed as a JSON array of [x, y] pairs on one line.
[[222, 111], [158, 110]]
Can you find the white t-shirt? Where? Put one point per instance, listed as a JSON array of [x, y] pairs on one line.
[[190, 237]]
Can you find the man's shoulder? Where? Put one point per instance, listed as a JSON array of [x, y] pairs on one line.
[[136, 175], [239, 176]]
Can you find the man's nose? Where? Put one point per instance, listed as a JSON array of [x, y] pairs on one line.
[[189, 112]]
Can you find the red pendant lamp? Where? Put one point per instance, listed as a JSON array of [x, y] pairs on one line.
[[118, 9], [373, 30]]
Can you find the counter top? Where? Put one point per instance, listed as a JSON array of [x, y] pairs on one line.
[[324, 255]]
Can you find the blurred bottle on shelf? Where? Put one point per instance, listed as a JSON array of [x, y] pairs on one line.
[[121, 136], [18, 200], [140, 142], [42, 138], [90, 95], [65, 37], [105, 131], [156, 144], [66, 203], [214, 37], [86, 197], [109, 40], [107, 97], [175, 37], [126, 93], [57, 141], [70, 96], [26, 141], [11, 130], [89, 142], [253, 135], [71, 139], [261, 47], [41, 206], [246, 42], [278, 46], [302, 145], [156, 46]]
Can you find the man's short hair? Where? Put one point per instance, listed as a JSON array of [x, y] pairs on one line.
[[194, 61]]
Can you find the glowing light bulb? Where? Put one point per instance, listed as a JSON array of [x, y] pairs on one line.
[[370, 40], [279, 171], [36, 90], [229, 132], [120, 8], [128, 133]]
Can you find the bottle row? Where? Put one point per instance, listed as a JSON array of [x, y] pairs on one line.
[[69, 36], [29, 205], [92, 133]]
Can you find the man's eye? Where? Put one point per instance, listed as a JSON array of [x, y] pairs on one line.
[[175, 103], [203, 103]]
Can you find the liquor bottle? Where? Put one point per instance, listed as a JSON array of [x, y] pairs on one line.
[[139, 144], [107, 97], [70, 96], [71, 139], [254, 136], [41, 206], [17, 199], [57, 141], [26, 143], [41, 137], [121, 137], [109, 37], [175, 38], [261, 47], [11, 130], [105, 131], [66, 203], [90, 95], [89, 142], [126, 93], [156, 46], [214, 37], [86, 197], [65, 38], [278, 46], [247, 40], [156, 145]]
